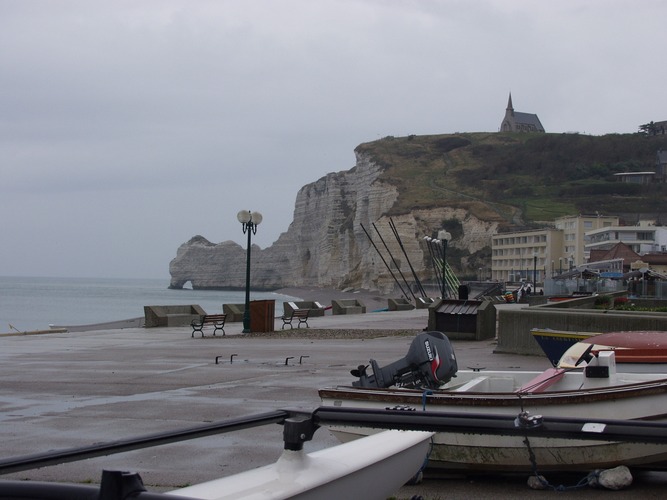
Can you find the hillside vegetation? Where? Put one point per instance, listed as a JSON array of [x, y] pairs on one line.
[[522, 179]]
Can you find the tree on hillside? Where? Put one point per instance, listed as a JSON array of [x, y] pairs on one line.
[[648, 128]]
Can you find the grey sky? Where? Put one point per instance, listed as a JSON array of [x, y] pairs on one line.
[[127, 127]]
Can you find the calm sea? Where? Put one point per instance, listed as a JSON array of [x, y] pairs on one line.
[[35, 303]]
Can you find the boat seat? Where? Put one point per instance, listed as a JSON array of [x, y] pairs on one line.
[[471, 384], [543, 381]]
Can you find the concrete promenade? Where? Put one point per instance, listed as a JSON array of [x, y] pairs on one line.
[[63, 390]]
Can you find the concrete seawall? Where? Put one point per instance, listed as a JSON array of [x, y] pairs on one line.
[[514, 325]]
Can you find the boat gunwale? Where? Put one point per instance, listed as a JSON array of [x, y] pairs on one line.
[[479, 398]]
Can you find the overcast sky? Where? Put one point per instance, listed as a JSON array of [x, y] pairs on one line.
[[127, 127]]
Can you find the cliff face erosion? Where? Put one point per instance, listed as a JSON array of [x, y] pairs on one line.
[[470, 184], [326, 245]]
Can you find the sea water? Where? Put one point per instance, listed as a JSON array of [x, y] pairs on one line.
[[29, 303]]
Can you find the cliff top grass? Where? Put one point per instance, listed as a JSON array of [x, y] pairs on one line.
[[512, 177]]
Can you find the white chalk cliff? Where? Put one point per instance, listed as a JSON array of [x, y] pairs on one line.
[[326, 246]]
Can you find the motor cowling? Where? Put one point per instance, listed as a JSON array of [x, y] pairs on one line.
[[429, 363]]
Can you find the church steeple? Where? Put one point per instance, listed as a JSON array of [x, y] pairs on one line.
[[518, 121], [510, 108]]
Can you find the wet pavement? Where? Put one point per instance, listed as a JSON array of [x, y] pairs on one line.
[[64, 390]]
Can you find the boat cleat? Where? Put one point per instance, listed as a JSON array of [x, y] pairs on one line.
[[527, 421]]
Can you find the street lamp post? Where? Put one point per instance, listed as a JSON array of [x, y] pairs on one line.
[[534, 271], [249, 220], [431, 244], [444, 237]]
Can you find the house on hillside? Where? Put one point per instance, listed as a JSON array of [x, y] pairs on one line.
[[516, 121], [660, 174], [654, 128], [636, 177], [661, 166]]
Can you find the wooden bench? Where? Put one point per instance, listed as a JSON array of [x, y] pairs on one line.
[[299, 314], [217, 320]]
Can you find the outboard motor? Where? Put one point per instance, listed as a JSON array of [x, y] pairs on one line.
[[430, 362]]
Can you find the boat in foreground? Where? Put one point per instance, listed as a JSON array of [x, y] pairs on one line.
[[428, 379], [350, 470], [372, 467]]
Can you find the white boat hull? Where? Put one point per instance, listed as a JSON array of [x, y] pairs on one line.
[[371, 468], [570, 394], [469, 452]]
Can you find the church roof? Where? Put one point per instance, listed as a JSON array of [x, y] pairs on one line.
[[518, 121], [528, 119]]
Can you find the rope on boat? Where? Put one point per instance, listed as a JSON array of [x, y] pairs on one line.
[[523, 421], [427, 392], [525, 424], [419, 475]]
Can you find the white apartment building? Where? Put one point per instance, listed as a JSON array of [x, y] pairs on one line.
[[574, 230], [642, 238], [542, 253], [524, 255]]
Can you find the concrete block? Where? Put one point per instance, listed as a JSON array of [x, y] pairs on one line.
[[347, 306], [172, 315], [399, 305]]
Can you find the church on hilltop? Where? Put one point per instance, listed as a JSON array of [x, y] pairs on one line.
[[515, 121]]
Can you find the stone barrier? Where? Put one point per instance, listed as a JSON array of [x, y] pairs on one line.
[[172, 315], [314, 308], [234, 312], [576, 315], [347, 306], [399, 305]]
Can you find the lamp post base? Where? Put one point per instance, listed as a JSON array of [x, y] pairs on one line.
[[246, 319]]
